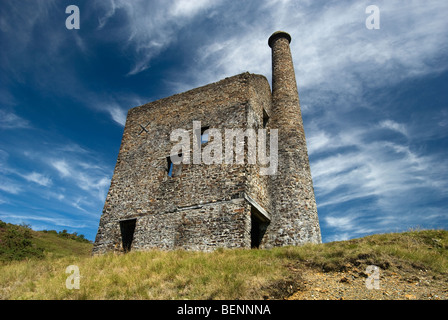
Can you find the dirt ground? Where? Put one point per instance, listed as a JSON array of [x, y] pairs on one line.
[[353, 285]]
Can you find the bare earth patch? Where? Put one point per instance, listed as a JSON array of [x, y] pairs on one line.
[[351, 285]]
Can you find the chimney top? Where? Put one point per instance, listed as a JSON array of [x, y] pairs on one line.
[[278, 34]]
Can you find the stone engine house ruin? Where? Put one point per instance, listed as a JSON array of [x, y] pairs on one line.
[[154, 203]]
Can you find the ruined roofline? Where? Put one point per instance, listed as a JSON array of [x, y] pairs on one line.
[[242, 76]]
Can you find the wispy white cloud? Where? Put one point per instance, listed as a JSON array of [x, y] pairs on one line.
[[442, 119], [319, 141], [62, 167], [151, 26], [388, 179], [392, 125], [98, 184], [69, 191], [7, 170], [25, 24], [9, 186], [9, 120], [38, 178], [70, 147], [118, 114], [88, 177], [345, 223], [375, 168], [329, 42], [48, 219]]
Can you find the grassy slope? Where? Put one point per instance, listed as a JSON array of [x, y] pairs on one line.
[[20, 242], [59, 247], [223, 274]]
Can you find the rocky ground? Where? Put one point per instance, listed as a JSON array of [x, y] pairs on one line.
[[351, 285]]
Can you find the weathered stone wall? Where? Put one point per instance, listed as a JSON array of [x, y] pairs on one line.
[[204, 227], [141, 188], [256, 185]]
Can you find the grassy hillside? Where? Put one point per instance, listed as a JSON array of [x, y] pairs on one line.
[[19, 242], [223, 274]]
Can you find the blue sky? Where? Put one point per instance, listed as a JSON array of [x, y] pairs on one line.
[[374, 102]]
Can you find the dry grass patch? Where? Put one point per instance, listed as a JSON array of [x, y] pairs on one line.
[[224, 274]]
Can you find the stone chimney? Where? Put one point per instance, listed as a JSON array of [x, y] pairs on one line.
[[294, 217]]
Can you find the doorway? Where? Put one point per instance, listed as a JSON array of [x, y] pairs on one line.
[[258, 227], [127, 228]]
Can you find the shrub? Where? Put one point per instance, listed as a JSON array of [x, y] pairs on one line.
[[15, 243]]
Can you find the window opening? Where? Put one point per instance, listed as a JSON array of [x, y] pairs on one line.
[[170, 167], [265, 118], [174, 170], [204, 135]]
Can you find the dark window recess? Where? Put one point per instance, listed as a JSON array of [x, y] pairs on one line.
[[258, 227], [265, 118], [127, 228], [170, 166], [204, 135], [174, 170]]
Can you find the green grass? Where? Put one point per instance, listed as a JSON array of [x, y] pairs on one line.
[[425, 249], [59, 246], [146, 275], [18, 242], [223, 274]]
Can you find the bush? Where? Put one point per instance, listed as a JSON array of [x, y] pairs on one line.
[[73, 236], [15, 243]]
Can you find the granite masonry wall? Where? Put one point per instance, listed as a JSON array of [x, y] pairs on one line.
[[203, 206]]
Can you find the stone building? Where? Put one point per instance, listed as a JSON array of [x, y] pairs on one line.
[[201, 204]]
